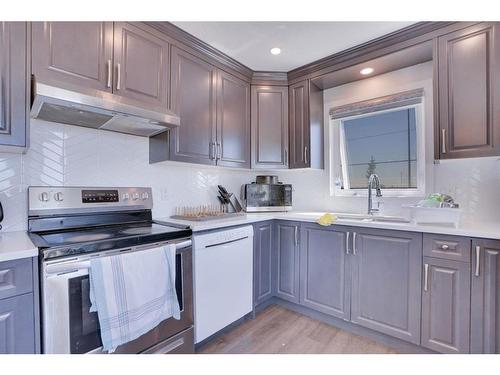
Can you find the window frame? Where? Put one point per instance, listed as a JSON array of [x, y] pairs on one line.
[[338, 167]]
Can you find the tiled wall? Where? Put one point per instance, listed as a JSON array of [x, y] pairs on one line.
[[72, 156]]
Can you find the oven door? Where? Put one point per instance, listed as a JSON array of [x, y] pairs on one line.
[[267, 197], [69, 327]]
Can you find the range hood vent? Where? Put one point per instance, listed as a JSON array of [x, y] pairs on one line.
[[102, 111]]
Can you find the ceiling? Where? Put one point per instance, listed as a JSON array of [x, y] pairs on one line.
[[300, 42]]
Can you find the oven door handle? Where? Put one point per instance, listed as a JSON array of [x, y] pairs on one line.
[[58, 268]]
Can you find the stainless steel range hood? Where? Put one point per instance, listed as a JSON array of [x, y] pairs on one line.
[[102, 111]]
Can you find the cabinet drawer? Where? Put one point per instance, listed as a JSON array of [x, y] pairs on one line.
[[16, 277], [447, 247]]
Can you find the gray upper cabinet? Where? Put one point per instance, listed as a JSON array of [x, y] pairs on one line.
[[299, 125], [446, 305], [324, 270], [485, 301], [263, 261], [193, 97], [141, 65], [74, 55], [233, 121], [14, 93], [468, 100], [287, 263], [386, 277], [269, 118]]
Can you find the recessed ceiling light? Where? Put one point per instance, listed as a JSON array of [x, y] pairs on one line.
[[275, 51], [366, 71]]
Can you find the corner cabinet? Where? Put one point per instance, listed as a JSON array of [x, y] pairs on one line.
[[14, 86], [324, 270], [263, 261], [468, 92], [485, 300], [269, 119], [386, 277], [287, 260]]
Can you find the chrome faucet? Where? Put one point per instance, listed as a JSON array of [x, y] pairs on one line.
[[373, 179]]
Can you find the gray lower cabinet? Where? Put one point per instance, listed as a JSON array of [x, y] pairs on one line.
[[76, 55], [446, 305], [233, 121], [19, 307], [386, 279], [14, 93], [287, 262], [324, 270], [193, 97], [263, 261], [485, 297], [17, 329], [269, 119]]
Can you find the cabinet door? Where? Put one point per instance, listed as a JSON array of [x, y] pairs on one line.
[[485, 300], [287, 263], [193, 98], [17, 325], [74, 55], [299, 125], [386, 276], [141, 62], [469, 92], [324, 270], [263, 259], [269, 127], [446, 305], [13, 83], [233, 121]]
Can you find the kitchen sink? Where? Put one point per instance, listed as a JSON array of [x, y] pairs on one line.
[[371, 218]]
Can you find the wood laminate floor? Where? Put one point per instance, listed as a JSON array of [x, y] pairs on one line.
[[278, 330]]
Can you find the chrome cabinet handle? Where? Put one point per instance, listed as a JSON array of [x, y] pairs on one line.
[[426, 276], [478, 256], [211, 151], [296, 236], [354, 243], [348, 234], [218, 155], [286, 157], [118, 76], [305, 155], [108, 78], [443, 141], [445, 247]]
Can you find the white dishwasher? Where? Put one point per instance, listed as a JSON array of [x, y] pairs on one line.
[[223, 279]]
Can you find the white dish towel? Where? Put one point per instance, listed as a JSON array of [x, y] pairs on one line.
[[132, 293]]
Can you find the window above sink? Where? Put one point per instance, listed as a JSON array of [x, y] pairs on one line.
[[382, 136]]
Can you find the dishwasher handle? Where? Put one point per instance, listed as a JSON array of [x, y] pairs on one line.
[[226, 242]]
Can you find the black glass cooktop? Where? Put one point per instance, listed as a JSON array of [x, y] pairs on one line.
[[91, 239]]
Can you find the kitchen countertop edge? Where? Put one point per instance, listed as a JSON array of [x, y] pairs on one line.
[[16, 245]]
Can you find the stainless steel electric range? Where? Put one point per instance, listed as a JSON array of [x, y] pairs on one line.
[[70, 225]]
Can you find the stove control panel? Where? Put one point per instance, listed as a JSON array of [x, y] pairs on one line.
[[62, 199]]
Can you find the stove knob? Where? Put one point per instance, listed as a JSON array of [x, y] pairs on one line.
[[59, 197], [126, 197], [135, 196], [44, 197], [144, 196]]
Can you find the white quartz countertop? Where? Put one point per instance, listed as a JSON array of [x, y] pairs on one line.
[[490, 230], [16, 245]]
